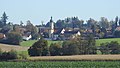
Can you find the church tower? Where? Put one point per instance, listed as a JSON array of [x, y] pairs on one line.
[[51, 28]]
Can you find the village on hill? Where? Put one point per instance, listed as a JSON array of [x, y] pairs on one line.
[[66, 29], [76, 36]]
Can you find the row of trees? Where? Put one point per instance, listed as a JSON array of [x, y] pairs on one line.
[[110, 48], [72, 47], [76, 46]]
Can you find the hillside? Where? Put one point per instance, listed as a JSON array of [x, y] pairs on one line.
[[99, 41], [6, 47]]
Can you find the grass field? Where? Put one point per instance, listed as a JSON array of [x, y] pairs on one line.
[[99, 41], [61, 64], [6, 47], [31, 42]]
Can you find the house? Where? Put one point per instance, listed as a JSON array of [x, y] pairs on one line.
[[117, 29], [63, 34], [27, 36], [2, 36], [71, 34], [58, 33]]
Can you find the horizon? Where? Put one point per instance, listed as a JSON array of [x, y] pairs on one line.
[[37, 11]]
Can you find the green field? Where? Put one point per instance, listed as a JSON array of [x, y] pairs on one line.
[[31, 42], [61, 64], [99, 41]]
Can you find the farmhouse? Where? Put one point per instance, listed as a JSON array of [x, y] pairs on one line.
[[27, 36]]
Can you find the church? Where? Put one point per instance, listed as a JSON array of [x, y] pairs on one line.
[[49, 32], [51, 29]]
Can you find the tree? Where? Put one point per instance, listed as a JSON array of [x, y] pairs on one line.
[[86, 46], [91, 47], [21, 23], [80, 23], [55, 49], [104, 22], [70, 48], [116, 34], [4, 18], [112, 47], [104, 48], [31, 28], [14, 38], [60, 24], [91, 22], [116, 21], [36, 36], [39, 48]]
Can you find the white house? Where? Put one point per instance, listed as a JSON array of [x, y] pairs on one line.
[[27, 36]]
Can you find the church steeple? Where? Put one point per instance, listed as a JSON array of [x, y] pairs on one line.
[[51, 19], [51, 28]]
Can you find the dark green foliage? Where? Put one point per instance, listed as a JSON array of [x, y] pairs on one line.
[[91, 47], [8, 55], [117, 34], [3, 20], [104, 48], [60, 24], [39, 48], [1, 52], [36, 36], [110, 48], [31, 28], [14, 38], [55, 49], [70, 48]]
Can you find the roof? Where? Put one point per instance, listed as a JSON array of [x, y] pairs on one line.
[[118, 28], [71, 32], [58, 31]]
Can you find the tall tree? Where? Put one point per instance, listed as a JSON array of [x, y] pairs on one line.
[[4, 18], [116, 21], [31, 28], [39, 48], [91, 22], [104, 22]]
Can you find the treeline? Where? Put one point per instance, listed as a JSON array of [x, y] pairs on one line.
[[75, 46], [10, 55]]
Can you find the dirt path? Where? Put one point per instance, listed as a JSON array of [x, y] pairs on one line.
[[6, 47], [77, 57]]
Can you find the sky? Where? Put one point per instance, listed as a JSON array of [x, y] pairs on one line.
[[41, 10]]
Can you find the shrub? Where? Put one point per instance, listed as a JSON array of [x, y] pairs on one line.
[[55, 49], [69, 48], [22, 55], [110, 48], [39, 48]]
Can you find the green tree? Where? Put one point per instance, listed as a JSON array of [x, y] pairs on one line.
[[60, 24], [4, 18], [104, 23], [36, 36], [116, 34], [14, 38], [55, 49], [110, 48], [39, 48], [31, 28], [91, 47], [104, 48], [70, 48]]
